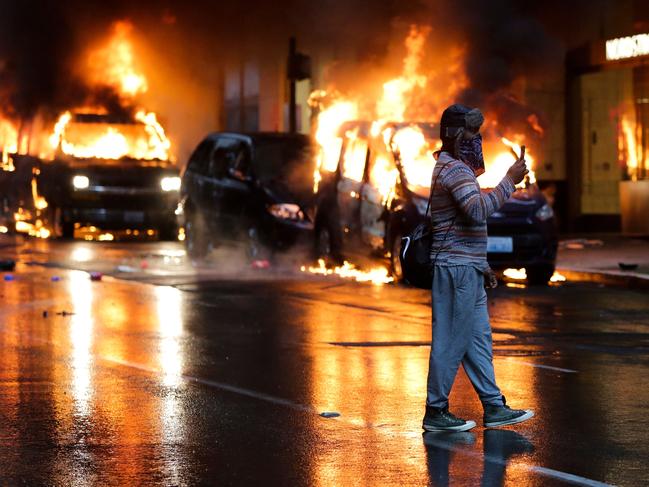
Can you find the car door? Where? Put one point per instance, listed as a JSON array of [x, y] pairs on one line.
[[230, 184], [195, 176], [354, 156], [376, 193]]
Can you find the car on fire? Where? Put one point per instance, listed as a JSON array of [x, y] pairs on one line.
[[378, 193], [109, 171], [254, 187]]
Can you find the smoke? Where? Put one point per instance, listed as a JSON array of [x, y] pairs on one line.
[[36, 44]]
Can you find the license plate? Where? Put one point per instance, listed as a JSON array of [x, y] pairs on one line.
[[500, 245], [134, 216]]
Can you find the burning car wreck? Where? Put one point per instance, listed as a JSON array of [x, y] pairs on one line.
[[251, 187], [379, 191], [110, 171]]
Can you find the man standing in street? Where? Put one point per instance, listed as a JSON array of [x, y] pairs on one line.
[[461, 329]]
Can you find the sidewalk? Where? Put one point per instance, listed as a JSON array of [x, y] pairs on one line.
[[607, 259]]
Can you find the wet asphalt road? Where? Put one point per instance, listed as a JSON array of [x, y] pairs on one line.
[[172, 376]]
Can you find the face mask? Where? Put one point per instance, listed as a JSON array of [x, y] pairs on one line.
[[471, 154]]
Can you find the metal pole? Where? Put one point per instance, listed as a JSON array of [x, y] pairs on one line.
[[292, 104]]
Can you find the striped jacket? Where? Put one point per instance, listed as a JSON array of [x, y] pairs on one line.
[[459, 212]]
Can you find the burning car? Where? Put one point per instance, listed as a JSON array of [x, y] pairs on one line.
[[252, 187], [379, 191], [110, 171]]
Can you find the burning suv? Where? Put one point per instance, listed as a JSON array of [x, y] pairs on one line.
[[109, 171], [379, 192]]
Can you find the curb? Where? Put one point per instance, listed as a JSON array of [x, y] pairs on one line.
[[617, 279]]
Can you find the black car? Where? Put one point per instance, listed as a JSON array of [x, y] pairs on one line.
[[376, 196], [256, 188], [122, 190]]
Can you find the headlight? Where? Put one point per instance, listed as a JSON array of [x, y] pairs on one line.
[[545, 212], [80, 182], [286, 211], [170, 183]]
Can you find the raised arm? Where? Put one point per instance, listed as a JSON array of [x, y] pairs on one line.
[[460, 181]]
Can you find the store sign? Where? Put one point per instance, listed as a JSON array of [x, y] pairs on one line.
[[627, 47]]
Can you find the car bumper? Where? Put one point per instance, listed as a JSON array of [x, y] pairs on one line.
[[529, 250], [135, 210]]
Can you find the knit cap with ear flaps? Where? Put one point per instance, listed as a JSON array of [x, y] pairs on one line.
[[460, 116]]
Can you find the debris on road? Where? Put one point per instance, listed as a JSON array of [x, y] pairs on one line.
[[55, 278], [260, 264], [627, 266], [64, 313], [44, 313], [96, 276], [580, 243], [7, 265], [125, 268], [329, 414], [9, 277]]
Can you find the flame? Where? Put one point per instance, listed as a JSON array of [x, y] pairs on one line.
[[377, 275], [496, 167], [628, 149], [36, 229], [415, 155], [393, 104], [145, 140], [330, 119], [114, 64], [401, 100], [8, 144], [557, 277], [517, 274]]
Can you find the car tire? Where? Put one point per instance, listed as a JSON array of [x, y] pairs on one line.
[[196, 238], [539, 274], [255, 250], [395, 260]]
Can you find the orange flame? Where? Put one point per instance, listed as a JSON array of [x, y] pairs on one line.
[[496, 167], [628, 149], [114, 64], [145, 139], [376, 276]]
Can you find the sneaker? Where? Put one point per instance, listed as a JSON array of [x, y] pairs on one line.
[[503, 415], [440, 419]]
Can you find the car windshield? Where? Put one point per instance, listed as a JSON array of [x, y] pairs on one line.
[[89, 136], [284, 159]]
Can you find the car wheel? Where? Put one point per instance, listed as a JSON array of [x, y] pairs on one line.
[[539, 275], [196, 238], [395, 261], [254, 248]]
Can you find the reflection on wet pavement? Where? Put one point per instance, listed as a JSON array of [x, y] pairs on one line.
[[223, 382]]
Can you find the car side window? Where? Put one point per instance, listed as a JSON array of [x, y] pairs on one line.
[[382, 172], [240, 163], [225, 158], [354, 158], [198, 161]]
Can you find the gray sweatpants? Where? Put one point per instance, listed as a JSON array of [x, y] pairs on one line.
[[461, 333]]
